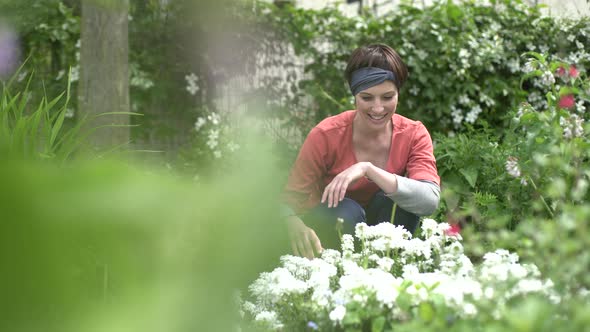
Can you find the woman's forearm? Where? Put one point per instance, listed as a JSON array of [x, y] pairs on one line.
[[418, 197], [382, 178]]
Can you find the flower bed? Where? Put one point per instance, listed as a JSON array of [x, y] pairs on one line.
[[392, 278]]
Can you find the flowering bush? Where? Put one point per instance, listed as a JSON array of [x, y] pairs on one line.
[[393, 278], [450, 47], [528, 187], [214, 142]]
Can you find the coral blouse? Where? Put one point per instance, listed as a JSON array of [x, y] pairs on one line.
[[328, 150]]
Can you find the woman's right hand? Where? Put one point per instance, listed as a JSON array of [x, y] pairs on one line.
[[304, 241]]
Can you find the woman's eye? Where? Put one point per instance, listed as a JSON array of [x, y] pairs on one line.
[[388, 98], [367, 98]]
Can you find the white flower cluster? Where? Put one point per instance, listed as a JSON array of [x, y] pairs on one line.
[[391, 274], [213, 128], [572, 127], [192, 81], [512, 167]]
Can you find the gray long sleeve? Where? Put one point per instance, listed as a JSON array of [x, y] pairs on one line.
[[415, 196]]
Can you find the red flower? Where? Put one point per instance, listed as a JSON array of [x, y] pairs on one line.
[[455, 229], [567, 101], [573, 71], [560, 71]]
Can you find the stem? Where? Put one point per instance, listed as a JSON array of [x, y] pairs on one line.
[[392, 220], [547, 207], [327, 95]]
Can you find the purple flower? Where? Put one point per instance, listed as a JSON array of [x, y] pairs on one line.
[[9, 51]]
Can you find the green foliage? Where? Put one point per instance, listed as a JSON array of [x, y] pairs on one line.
[[214, 146], [37, 132], [50, 32], [450, 50], [527, 190], [104, 245]]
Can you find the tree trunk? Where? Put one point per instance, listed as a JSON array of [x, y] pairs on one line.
[[104, 73]]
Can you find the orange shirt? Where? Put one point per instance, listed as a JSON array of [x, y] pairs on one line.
[[328, 150]]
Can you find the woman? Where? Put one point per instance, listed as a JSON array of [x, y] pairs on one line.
[[356, 164]]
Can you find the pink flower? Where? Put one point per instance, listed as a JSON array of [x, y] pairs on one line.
[[455, 229], [560, 71], [573, 71], [567, 101]]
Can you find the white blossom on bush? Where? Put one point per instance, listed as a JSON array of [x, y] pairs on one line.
[[572, 127], [192, 81], [391, 274]]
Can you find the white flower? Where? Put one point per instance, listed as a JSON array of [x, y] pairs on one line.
[[529, 66], [75, 73], [269, 317], [464, 99], [347, 244], [200, 123], [232, 147], [337, 314], [488, 292], [580, 106], [472, 115], [469, 309], [513, 65], [512, 167], [457, 115], [217, 154], [572, 127], [410, 271], [463, 53], [192, 86], [214, 118], [360, 230], [332, 282], [547, 78], [60, 74], [385, 263]]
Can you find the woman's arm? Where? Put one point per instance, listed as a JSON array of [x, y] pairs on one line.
[[415, 196], [302, 192]]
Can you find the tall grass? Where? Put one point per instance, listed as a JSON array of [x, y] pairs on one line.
[[37, 131], [40, 131]]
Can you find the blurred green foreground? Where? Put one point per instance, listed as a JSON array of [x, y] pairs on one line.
[[104, 246]]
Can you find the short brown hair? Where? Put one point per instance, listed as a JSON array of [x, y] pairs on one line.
[[380, 56]]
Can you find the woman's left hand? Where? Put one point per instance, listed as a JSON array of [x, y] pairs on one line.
[[336, 190]]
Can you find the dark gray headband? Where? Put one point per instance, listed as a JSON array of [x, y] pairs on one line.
[[366, 77]]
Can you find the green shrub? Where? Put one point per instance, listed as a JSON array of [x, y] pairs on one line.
[[464, 59], [528, 190]]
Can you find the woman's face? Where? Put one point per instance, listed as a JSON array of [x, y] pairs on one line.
[[377, 104]]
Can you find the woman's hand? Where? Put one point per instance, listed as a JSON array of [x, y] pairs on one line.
[[336, 190], [304, 241]]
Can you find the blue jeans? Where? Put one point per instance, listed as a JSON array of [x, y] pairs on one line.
[[323, 219]]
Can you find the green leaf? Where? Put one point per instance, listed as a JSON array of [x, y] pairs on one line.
[[470, 175], [351, 318], [378, 324], [426, 311], [404, 301]]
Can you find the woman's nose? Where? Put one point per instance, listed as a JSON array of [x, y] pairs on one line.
[[377, 107]]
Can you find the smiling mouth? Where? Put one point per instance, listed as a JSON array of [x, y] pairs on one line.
[[375, 117]]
